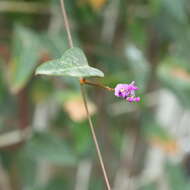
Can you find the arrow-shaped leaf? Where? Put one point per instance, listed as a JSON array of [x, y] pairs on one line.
[[72, 63]]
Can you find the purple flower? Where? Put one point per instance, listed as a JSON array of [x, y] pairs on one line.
[[127, 91]]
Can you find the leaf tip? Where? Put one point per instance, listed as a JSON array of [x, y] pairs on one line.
[[101, 74]]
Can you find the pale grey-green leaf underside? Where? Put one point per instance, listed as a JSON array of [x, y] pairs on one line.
[[72, 63]]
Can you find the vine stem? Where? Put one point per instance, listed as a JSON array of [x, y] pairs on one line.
[[67, 27], [66, 22], [95, 138]]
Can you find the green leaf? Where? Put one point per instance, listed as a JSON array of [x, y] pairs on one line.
[[72, 63], [27, 169], [44, 146], [24, 58], [177, 177]]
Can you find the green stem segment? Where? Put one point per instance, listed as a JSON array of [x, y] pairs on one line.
[[66, 22]]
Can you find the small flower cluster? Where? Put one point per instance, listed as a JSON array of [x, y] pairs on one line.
[[127, 91]]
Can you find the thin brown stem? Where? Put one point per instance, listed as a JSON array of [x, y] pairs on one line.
[[84, 81], [66, 22], [84, 100], [24, 7], [23, 109], [95, 138]]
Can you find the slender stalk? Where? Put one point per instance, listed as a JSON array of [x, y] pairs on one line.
[[85, 101], [66, 22], [95, 138], [84, 81]]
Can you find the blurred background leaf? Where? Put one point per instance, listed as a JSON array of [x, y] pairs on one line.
[[24, 58]]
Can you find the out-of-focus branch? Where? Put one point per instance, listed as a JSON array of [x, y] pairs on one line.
[[14, 137], [24, 7], [123, 178], [110, 21], [83, 175], [4, 179]]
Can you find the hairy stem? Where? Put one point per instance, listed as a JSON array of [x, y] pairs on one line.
[[66, 22]]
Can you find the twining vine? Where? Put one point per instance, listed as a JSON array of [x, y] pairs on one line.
[[82, 82]]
